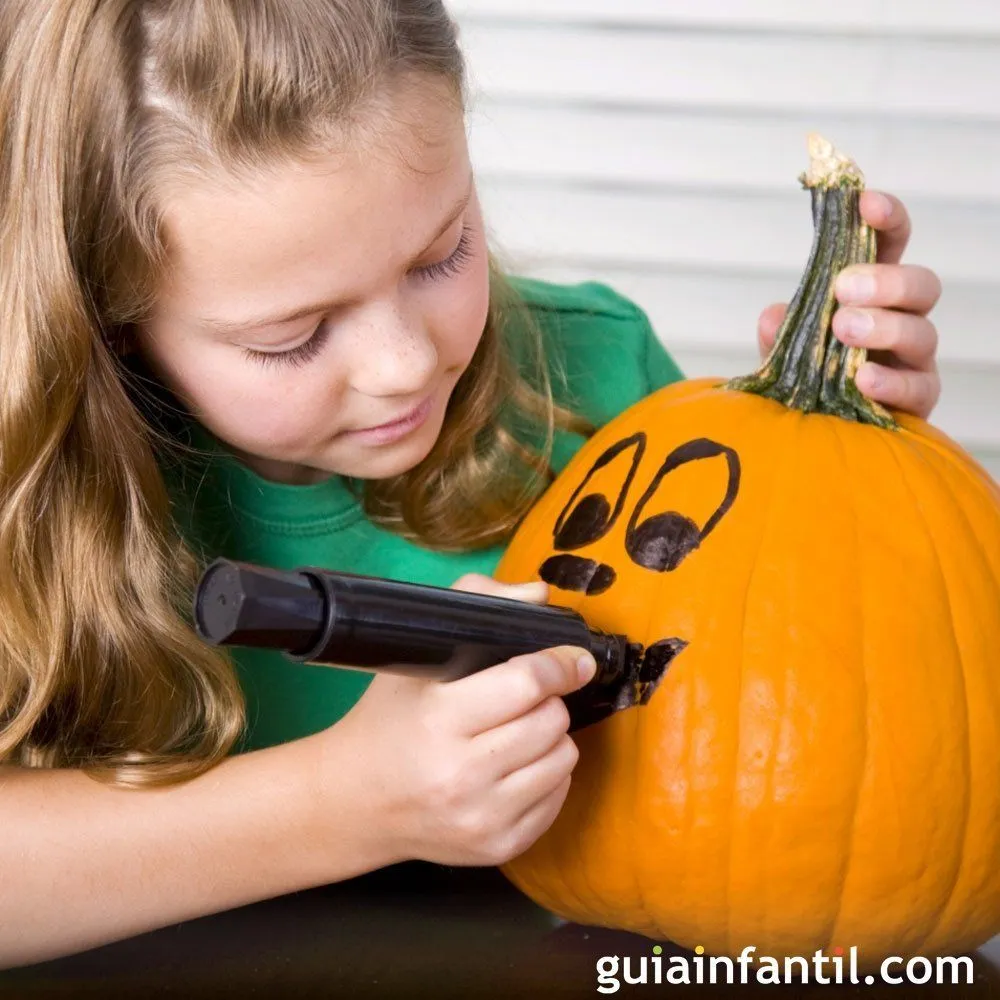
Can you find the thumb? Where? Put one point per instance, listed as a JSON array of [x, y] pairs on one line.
[[535, 592]]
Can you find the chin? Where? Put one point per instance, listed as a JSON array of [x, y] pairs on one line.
[[387, 463]]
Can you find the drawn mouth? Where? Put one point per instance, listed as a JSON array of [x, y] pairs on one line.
[[574, 573]]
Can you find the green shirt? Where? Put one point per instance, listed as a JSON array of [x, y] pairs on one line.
[[604, 357]]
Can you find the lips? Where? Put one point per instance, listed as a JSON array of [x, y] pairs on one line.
[[396, 430], [389, 424]]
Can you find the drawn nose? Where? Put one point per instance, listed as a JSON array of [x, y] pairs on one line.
[[577, 574]]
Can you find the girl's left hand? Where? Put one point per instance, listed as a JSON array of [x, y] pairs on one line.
[[884, 308]]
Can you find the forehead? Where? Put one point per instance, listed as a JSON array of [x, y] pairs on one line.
[[334, 217]]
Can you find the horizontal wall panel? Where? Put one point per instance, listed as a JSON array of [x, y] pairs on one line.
[[867, 76], [656, 145], [719, 310], [540, 222], [939, 160], [897, 16]]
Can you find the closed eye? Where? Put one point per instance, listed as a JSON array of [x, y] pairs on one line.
[[454, 264], [297, 356]]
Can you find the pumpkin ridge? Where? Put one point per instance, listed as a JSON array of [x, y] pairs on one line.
[[967, 743], [973, 471], [992, 572], [634, 847], [866, 688], [798, 419], [754, 563], [956, 502], [637, 783], [904, 478]]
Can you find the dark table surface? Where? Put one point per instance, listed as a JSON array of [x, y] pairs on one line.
[[413, 930]]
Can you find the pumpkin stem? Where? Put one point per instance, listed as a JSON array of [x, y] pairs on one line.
[[808, 368]]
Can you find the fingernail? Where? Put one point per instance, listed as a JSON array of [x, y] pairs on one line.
[[586, 667], [882, 203], [855, 288], [856, 323], [871, 379]]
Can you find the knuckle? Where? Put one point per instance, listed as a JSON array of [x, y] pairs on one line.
[[556, 712], [927, 393], [890, 328], [904, 330], [907, 391], [898, 379], [451, 789], [518, 838], [500, 851], [534, 678], [935, 395], [933, 337], [571, 751], [917, 285], [526, 688], [892, 284], [434, 712], [931, 283], [474, 829]]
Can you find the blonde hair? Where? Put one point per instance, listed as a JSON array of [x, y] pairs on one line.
[[100, 668]]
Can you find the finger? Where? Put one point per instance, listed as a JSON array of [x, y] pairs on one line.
[[536, 820], [907, 287], [908, 391], [913, 340], [767, 326], [508, 690], [888, 215], [525, 739], [537, 781], [533, 592]]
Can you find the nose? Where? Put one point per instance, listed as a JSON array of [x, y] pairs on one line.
[[392, 352]]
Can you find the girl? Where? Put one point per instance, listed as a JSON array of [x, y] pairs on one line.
[[247, 309]]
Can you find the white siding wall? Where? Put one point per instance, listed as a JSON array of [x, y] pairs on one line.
[[655, 145]]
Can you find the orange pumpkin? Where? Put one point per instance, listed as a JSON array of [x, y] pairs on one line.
[[819, 765]]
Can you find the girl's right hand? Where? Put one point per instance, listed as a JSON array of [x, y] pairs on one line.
[[472, 771]]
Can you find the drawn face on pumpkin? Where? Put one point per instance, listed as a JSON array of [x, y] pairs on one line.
[[656, 540]]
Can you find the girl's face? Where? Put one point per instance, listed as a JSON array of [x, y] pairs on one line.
[[317, 319]]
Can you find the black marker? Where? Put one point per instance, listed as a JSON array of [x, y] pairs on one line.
[[314, 615]]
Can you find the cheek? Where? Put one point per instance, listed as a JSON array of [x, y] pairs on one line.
[[251, 407], [459, 310]]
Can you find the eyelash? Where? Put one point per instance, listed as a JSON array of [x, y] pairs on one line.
[[305, 352], [296, 357], [454, 264]]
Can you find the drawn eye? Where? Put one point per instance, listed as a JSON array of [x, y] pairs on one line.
[[590, 516], [662, 541], [585, 520]]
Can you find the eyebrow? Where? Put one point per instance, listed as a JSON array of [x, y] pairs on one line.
[[244, 326]]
